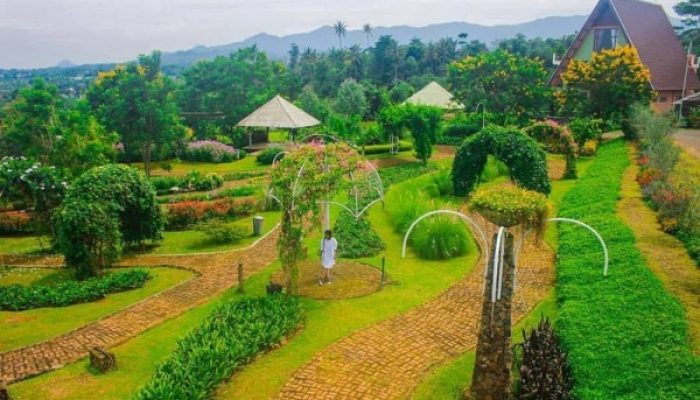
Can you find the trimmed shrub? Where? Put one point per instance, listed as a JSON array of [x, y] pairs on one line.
[[18, 297], [461, 127], [626, 336], [585, 130], [229, 338], [525, 160], [543, 368], [211, 151], [267, 156], [510, 205], [404, 145], [217, 231], [356, 237], [180, 216], [440, 238]]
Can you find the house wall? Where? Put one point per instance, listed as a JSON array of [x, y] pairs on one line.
[[665, 98], [585, 51]]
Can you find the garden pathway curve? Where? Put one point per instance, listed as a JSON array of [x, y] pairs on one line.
[[388, 360], [215, 273]]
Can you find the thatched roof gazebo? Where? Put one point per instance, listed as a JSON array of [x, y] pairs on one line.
[[434, 95], [278, 113]]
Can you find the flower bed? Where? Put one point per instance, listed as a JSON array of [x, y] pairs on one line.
[[626, 336], [181, 215], [211, 151], [18, 297], [228, 339]]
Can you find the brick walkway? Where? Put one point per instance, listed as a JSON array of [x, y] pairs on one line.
[[215, 273], [388, 360]]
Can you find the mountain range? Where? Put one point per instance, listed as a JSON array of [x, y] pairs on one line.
[[324, 38]]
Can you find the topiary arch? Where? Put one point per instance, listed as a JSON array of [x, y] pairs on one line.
[[525, 160]]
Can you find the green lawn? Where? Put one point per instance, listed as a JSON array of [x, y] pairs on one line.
[[23, 244], [23, 328], [180, 167]]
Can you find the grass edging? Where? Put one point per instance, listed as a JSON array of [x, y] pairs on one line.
[[626, 336]]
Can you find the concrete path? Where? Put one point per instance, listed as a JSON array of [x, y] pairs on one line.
[[689, 140], [215, 273]]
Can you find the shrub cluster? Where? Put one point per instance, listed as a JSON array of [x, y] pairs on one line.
[[180, 216], [240, 191], [219, 232], [556, 139], [461, 127], [267, 156], [440, 238], [193, 181], [625, 335], [228, 339], [586, 130], [211, 151], [356, 236], [440, 184], [393, 175], [18, 297], [240, 175], [15, 222], [404, 145], [526, 161]]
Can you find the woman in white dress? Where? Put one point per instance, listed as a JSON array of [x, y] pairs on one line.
[[328, 248]]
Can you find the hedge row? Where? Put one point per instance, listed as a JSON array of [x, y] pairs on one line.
[[386, 148], [228, 339], [18, 297], [403, 172], [626, 336]]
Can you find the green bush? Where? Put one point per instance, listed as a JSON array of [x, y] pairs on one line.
[[585, 129], [193, 181], [240, 191], [411, 206], [510, 205], [229, 338], [404, 145], [217, 231], [393, 175], [526, 161], [105, 208], [440, 184], [626, 336], [237, 176], [18, 297], [440, 238], [454, 132], [267, 156], [356, 238]]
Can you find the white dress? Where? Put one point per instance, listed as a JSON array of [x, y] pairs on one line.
[[328, 247]]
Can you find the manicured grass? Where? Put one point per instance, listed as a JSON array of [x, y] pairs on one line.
[[28, 327], [416, 282], [191, 241], [23, 245], [180, 167], [449, 381], [627, 338]]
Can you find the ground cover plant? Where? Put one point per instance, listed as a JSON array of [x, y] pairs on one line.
[[267, 156], [211, 151], [229, 338], [358, 238], [625, 335], [18, 297], [181, 215], [193, 181]]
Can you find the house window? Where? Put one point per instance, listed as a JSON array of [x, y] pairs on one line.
[[605, 38]]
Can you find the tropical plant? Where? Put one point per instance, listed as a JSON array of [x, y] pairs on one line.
[[440, 238], [367, 29], [340, 29], [19, 298], [525, 160]]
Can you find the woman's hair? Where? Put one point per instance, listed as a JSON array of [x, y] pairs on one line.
[[328, 232]]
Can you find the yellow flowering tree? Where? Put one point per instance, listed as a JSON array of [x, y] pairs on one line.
[[607, 85]]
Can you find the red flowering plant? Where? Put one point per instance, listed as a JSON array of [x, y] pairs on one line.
[[186, 213], [15, 222]]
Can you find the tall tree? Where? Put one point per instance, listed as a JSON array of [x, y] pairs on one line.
[[368, 30], [690, 11], [340, 29], [138, 103]]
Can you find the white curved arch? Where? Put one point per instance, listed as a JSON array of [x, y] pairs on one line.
[[275, 160], [465, 218], [595, 233]]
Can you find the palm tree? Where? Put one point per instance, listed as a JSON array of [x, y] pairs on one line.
[[340, 30], [367, 29]]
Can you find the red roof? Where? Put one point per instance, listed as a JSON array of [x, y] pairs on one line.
[[649, 30]]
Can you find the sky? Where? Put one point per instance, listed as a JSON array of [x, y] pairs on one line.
[[39, 33]]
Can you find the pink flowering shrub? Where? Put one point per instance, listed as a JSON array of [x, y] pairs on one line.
[[211, 151]]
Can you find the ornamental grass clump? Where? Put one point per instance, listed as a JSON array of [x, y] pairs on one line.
[[440, 238], [510, 205]]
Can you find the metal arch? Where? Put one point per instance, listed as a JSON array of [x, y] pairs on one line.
[[355, 214], [275, 160], [470, 221], [595, 233]]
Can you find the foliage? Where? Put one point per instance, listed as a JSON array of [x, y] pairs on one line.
[[351, 100], [590, 148], [138, 103], [356, 237], [181, 215], [313, 105], [239, 191], [39, 187], [510, 205], [267, 156], [18, 297], [526, 161], [404, 145], [440, 238], [544, 371], [613, 326], [690, 11], [400, 92], [217, 231], [402, 214], [454, 131], [229, 338], [513, 88], [537, 47], [194, 180], [211, 151], [607, 85], [104, 208], [556, 139], [310, 174], [15, 222], [440, 183], [393, 175], [422, 121], [586, 129]]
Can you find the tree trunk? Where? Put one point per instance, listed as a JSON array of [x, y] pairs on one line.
[[491, 378]]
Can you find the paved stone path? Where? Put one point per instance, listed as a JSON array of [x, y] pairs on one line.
[[215, 273], [388, 360]]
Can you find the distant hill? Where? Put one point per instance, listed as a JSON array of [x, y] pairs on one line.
[[66, 64], [324, 38]]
